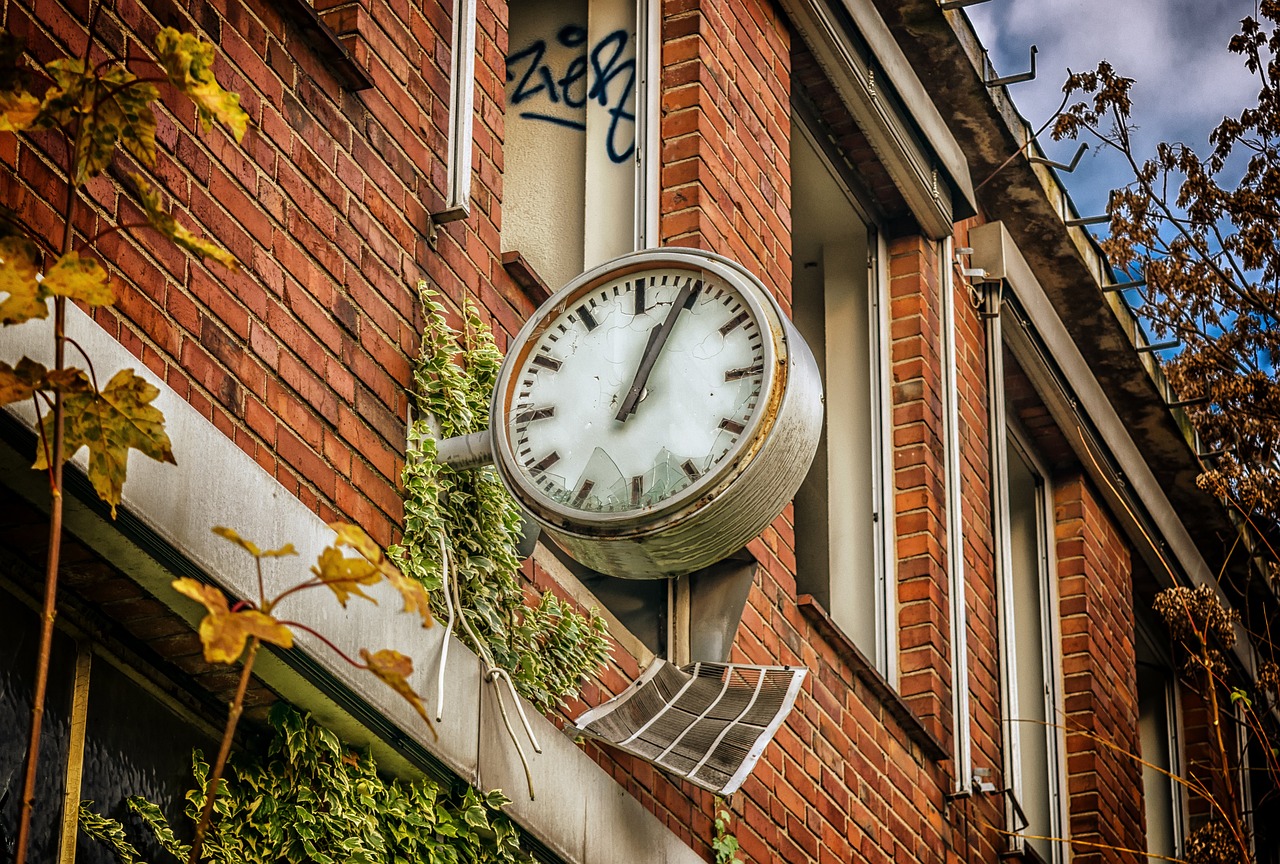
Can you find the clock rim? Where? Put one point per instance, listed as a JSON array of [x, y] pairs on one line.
[[712, 484]]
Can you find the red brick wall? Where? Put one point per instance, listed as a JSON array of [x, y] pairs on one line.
[[1099, 675], [303, 355], [920, 482]]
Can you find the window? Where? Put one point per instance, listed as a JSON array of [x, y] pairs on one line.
[[1158, 741], [577, 180], [842, 530], [1029, 656]]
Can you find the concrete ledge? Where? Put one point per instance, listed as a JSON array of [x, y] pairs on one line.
[[580, 813]]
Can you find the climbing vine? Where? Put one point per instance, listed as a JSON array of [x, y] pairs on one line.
[[724, 843], [313, 799], [546, 646]]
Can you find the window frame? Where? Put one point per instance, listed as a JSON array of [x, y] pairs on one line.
[[885, 648], [1173, 730]]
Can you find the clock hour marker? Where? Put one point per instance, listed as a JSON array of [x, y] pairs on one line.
[[690, 470], [545, 462], [639, 297], [546, 362], [732, 426], [744, 372], [535, 414], [587, 318], [733, 322], [583, 491], [693, 295], [637, 487]]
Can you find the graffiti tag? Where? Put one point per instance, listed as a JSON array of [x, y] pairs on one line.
[[599, 73]]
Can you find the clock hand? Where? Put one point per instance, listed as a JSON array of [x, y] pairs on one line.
[[657, 339]]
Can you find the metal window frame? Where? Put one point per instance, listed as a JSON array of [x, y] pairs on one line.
[[462, 95], [1003, 430], [961, 731], [886, 659], [648, 122], [1173, 727]]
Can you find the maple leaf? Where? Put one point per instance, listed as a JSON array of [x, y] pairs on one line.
[[126, 102], [80, 279], [344, 576], [162, 220], [21, 381], [251, 547], [111, 423], [188, 61], [414, 594], [224, 632], [394, 668], [19, 279], [18, 110]]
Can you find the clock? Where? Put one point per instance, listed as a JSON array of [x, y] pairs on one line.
[[656, 413]]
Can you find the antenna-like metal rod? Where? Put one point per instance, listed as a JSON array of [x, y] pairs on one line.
[[1157, 346], [464, 452], [1087, 220], [1061, 166], [1123, 286], [1183, 403], [946, 5]]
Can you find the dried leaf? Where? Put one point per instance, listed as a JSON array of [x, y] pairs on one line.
[[344, 576], [394, 668], [18, 279], [78, 278], [18, 110], [414, 594], [251, 547], [163, 221], [188, 61], [223, 632], [110, 423], [21, 381]]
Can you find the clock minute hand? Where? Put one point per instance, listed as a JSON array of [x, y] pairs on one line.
[[657, 339]]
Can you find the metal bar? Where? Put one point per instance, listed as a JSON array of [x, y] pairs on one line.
[[1123, 286], [1020, 77], [1182, 403], [464, 452], [1087, 220], [1061, 166], [75, 754], [462, 89], [1157, 346], [948, 5]]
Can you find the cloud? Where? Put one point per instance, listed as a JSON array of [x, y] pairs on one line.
[[1176, 50]]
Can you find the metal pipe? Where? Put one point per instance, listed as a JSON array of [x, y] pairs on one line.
[[464, 452]]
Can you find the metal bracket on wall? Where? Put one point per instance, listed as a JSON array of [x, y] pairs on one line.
[[1123, 286], [1016, 79], [948, 5], [1087, 220], [1157, 346], [1061, 166]]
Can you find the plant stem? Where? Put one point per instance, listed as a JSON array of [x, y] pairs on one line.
[[49, 611], [233, 718]]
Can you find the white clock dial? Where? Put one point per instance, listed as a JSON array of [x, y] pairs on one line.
[[569, 428]]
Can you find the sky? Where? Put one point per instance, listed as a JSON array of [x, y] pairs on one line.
[[1176, 50]]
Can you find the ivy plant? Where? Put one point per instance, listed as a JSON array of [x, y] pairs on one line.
[[311, 798], [546, 646]]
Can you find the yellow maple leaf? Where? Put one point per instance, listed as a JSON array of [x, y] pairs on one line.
[[414, 594], [344, 576], [21, 381], [19, 279], [251, 547], [111, 423], [188, 62], [81, 279], [394, 669], [223, 632], [18, 110], [162, 220]]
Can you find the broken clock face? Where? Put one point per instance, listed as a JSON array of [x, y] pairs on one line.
[[638, 392]]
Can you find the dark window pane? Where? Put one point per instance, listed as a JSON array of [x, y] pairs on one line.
[[19, 644], [135, 744]]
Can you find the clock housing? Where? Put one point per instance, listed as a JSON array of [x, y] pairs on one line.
[[656, 413]]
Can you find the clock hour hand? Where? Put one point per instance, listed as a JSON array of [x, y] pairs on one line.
[[657, 339]]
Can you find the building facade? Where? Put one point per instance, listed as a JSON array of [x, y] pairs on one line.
[[966, 573]]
